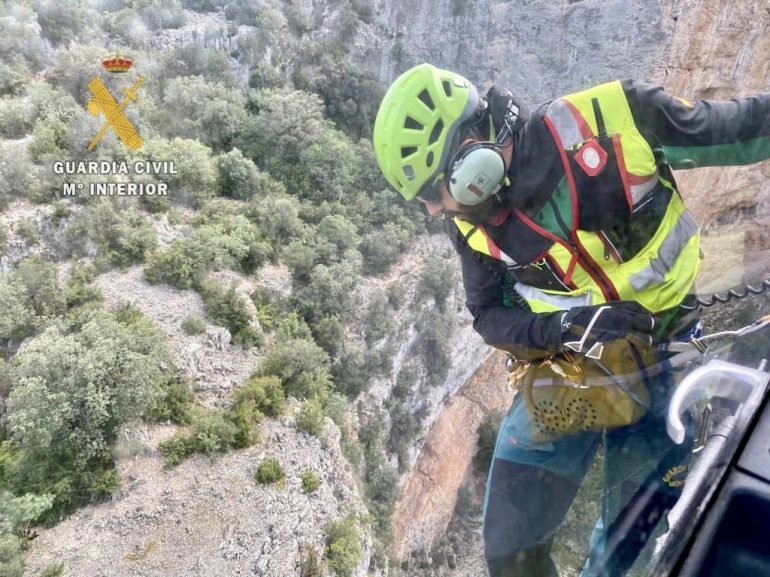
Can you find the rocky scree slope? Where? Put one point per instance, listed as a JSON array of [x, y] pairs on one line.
[[209, 516]]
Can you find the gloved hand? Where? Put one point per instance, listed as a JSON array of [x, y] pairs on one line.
[[583, 329]]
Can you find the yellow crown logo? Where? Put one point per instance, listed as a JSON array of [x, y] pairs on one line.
[[117, 64]]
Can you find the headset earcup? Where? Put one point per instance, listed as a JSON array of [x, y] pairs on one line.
[[476, 174]]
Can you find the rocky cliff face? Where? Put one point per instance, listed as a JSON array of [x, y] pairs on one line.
[[719, 51], [430, 491], [540, 49]]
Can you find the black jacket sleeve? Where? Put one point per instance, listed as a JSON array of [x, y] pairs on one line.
[[693, 133], [516, 329]]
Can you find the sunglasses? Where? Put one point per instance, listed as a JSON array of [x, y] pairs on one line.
[[430, 191]]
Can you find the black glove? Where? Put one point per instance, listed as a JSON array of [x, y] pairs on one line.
[[583, 329]]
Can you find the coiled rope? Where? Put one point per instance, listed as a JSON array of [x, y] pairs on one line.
[[734, 293]]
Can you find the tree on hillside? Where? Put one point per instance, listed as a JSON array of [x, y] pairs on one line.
[[197, 177], [213, 65], [302, 366], [196, 109], [351, 96], [62, 21], [281, 124], [238, 176], [74, 387]]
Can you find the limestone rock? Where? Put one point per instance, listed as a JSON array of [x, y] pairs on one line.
[[430, 490], [756, 244], [720, 51], [208, 516]]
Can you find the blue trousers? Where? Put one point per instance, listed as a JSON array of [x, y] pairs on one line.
[[531, 485]]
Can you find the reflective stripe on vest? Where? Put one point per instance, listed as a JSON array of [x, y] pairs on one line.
[[480, 242], [672, 246], [558, 301]]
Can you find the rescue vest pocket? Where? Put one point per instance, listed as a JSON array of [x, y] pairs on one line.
[[601, 183]]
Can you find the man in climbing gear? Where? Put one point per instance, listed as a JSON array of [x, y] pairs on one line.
[[577, 252]]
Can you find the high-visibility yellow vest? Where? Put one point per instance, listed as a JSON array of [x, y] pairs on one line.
[[658, 276]]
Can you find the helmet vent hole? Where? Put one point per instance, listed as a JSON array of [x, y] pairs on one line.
[[436, 132], [409, 172], [447, 88], [424, 96], [408, 151], [413, 124], [429, 159]]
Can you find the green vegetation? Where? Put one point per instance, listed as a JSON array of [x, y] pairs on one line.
[[71, 389], [223, 239], [381, 477], [211, 432], [435, 329], [227, 308], [30, 296], [238, 176], [182, 265], [310, 566], [311, 417], [196, 108], [11, 561], [78, 291], [396, 295], [53, 570], [269, 471], [27, 231], [404, 428], [265, 393], [175, 404], [301, 366], [343, 549], [193, 325], [4, 233], [236, 427], [378, 319], [437, 279], [310, 482], [351, 96], [122, 234]]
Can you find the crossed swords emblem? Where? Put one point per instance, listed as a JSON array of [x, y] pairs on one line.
[[103, 103]]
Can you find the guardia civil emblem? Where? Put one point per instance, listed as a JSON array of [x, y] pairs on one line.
[[102, 103]]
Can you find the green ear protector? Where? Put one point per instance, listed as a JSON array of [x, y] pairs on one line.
[[477, 171]]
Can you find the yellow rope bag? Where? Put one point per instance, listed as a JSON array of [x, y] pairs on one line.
[[569, 395]]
